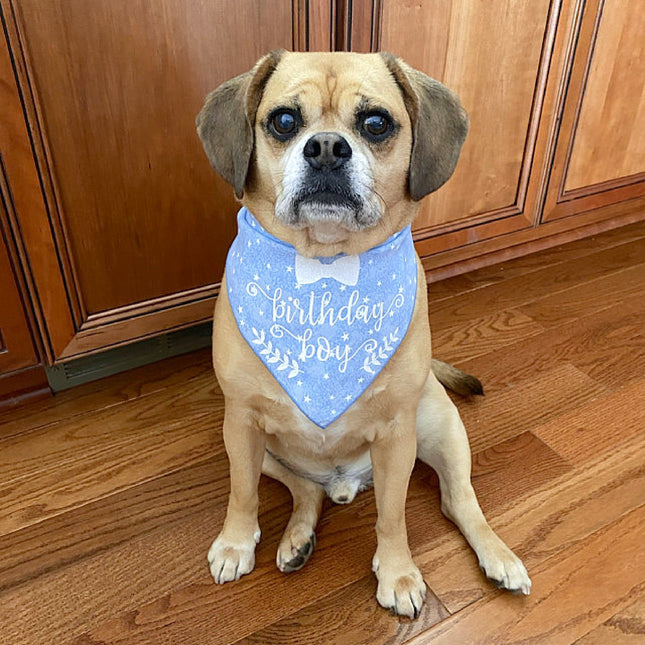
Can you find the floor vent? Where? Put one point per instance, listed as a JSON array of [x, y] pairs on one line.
[[120, 359]]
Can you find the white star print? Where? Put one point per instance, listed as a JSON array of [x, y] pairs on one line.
[[371, 331], [400, 289], [299, 383], [326, 376], [268, 265], [379, 283], [360, 379], [348, 397], [242, 323], [343, 287], [394, 276], [256, 277], [239, 309], [345, 336], [307, 399], [366, 299], [248, 243], [289, 269], [298, 286], [261, 312], [371, 262], [324, 285], [333, 411], [331, 397], [391, 314]]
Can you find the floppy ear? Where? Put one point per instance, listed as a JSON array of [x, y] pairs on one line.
[[439, 127], [225, 123]]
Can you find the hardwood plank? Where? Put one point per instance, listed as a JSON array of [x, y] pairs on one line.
[[545, 522], [527, 288], [350, 616], [539, 260], [582, 434], [106, 392], [607, 345], [626, 627], [48, 492], [506, 413], [68, 538], [511, 469], [571, 593], [486, 334], [567, 307]]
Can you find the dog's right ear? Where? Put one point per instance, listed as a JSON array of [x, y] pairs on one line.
[[225, 123]]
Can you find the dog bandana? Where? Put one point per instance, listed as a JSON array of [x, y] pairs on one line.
[[324, 327]]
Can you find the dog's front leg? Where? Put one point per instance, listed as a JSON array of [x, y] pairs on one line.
[[232, 554], [400, 585]]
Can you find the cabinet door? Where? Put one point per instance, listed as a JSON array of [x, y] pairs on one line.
[[600, 154], [138, 223], [495, 55], [16, 345]]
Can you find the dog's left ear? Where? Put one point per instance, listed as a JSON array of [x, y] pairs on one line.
[[439, 127], [225, 123]]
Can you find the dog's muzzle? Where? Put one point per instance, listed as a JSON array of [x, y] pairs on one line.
[[326, 182]]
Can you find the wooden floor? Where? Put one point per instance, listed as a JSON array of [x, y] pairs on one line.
[[111, 493]]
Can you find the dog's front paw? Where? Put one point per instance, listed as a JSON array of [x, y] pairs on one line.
[[230, 561], [400, 589], [505, 570]]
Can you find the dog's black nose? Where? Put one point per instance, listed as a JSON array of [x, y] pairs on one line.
[[327, 150]]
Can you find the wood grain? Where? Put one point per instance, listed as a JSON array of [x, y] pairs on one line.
[[113, 390], [602, 572], [626, 627]]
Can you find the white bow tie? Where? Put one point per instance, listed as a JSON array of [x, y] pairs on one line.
[[345, 269]]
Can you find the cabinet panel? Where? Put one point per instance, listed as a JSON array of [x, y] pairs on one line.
[[609, 138], [110, 89], [16, 345], [119, 83], [600, 152], [474, 50], [494, 55]]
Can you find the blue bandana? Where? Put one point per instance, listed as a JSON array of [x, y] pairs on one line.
[[324, 327]]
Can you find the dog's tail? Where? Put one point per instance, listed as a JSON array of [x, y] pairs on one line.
[[456, 380]]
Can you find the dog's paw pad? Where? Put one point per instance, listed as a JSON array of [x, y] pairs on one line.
[[294, 551]]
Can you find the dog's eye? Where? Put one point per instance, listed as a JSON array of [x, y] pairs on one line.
[[375, 126], [283, 124]]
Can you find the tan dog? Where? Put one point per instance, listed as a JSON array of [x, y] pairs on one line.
[[332, 153]]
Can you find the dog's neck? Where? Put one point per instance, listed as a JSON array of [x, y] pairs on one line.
[[329, 240]]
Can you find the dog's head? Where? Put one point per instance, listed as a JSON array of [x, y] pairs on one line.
[[331, 151]]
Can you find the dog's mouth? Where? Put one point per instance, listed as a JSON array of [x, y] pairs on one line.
[[325, 204]]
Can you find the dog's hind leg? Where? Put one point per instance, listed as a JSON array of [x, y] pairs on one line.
[[442, 443], [299, 538]]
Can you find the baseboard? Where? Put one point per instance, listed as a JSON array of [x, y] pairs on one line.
[[120, 359]]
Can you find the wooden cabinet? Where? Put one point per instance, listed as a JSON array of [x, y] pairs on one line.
[[600, 155], [21, 371], [124, 225]]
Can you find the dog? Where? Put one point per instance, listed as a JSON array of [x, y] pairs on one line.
[[324, 356]]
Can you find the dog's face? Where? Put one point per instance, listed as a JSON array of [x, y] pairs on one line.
[[331, 152]]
